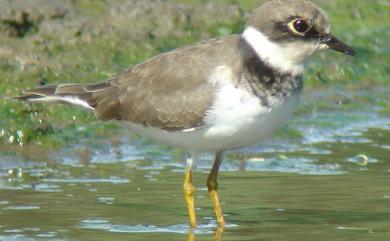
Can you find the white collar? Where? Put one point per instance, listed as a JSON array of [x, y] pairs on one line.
[[287, 58]]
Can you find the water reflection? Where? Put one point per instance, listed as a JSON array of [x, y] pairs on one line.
[[105, 225], [180, 229], [217, 236]]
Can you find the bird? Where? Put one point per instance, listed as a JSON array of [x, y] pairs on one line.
[[212, 96]]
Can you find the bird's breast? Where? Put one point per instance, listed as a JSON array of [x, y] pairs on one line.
[[239, 117]]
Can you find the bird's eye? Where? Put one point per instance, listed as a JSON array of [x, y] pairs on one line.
[[299, 26]]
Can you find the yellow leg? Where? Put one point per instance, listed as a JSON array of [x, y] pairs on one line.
[[213, 187], [189, 191]]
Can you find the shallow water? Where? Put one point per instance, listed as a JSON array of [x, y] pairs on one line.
[[329, 183]]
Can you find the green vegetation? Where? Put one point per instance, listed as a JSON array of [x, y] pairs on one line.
[[87, 41]]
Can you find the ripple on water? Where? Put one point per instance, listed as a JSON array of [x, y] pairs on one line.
[[105, 153], [87, 180], [47, 187], [21, 237], [362, 160], [294, 165], [101, 224], [106, 200], [345, 127], [11, 164], [21, 208], [13, 231], [386, 147], [5, 186], [47, 235], [355, 229]]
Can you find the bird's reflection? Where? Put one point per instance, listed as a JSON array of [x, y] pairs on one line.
[[217, 237]]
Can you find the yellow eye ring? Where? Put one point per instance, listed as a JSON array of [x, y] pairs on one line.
[[299, 26]]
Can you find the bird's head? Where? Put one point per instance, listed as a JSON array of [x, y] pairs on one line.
[[286, 32]]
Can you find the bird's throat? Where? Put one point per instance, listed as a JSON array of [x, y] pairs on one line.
[[286, 58]]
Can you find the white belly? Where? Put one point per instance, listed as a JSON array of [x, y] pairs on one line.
[[236, 119]]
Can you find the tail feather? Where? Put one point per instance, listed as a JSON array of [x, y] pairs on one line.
[[37, 93], [98, 97], [73, 94]]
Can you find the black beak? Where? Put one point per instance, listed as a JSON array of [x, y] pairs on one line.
[[337, 45]]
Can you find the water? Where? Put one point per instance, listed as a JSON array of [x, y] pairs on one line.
[[331, 182]]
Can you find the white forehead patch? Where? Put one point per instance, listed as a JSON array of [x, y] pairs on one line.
[[327, 29]]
